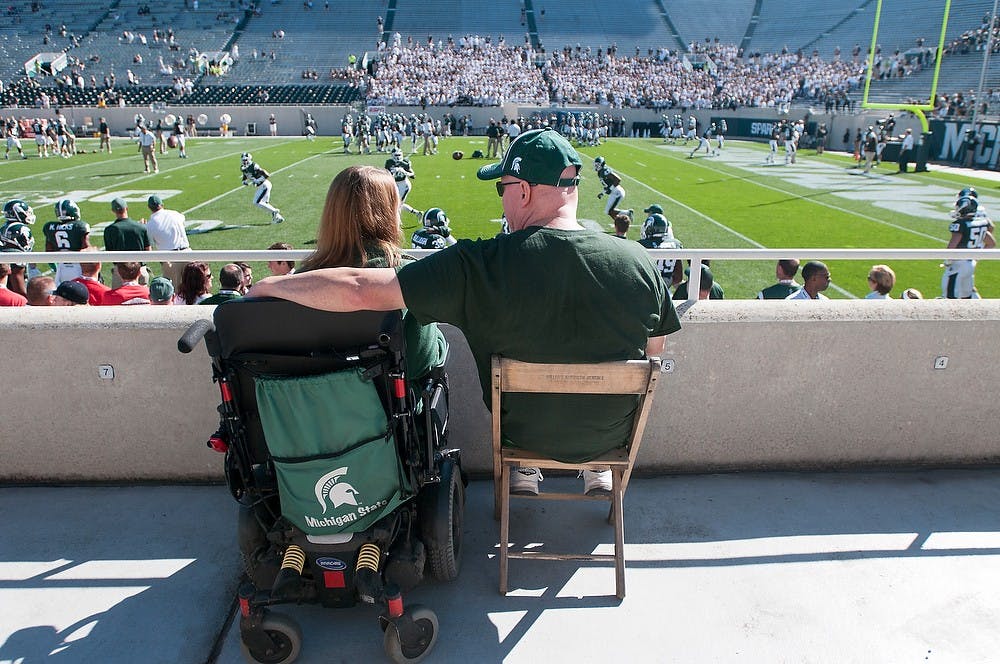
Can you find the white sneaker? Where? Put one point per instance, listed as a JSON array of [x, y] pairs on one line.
[[276, 218], [524, 481], [597, 482]]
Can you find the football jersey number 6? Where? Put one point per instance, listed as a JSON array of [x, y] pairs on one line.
[[62, 240]]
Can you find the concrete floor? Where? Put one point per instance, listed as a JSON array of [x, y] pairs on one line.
[[780, 567]]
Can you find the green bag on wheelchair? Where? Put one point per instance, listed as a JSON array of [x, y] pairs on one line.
[[334, 452]]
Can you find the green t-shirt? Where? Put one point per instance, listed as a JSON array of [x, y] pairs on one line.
[[125, 235], [547, 295], [778, 291]]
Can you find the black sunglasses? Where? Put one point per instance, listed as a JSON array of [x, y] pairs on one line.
[[501, 185], [563, 182]]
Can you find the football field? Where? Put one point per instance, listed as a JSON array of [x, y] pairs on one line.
[[734, 200]]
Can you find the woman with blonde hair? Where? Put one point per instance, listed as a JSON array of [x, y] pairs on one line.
[[359, 227], [881, 280]]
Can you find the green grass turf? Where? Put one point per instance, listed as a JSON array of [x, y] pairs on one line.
[[727, 201]]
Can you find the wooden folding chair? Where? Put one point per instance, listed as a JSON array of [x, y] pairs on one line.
[[639, 377]]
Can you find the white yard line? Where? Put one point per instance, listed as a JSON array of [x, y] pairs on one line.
[[701, 164], [235, 189], [721, 225], [135, 156]]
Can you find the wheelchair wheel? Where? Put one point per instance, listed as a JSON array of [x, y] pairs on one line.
[[442, 514], [410, 653], [287, 638]]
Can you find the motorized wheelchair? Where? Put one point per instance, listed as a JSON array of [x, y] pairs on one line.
[[338, 459]]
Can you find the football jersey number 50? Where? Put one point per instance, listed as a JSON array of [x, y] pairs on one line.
[[62, 240], [977, 237]]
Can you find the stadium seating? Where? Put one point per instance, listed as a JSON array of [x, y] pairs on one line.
[[316, 39], [695, 20], [421, 19], [629, 24], [320, 40]]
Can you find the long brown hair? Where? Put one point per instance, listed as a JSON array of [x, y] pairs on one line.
[[360, 217], [194, 282]]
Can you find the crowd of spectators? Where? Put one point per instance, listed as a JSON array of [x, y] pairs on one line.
[[471, 70], [479, 71], [975, 39]]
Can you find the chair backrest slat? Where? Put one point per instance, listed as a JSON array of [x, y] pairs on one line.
[[624, 377]]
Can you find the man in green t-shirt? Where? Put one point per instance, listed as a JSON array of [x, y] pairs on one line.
[[124, 234], [550, 291]]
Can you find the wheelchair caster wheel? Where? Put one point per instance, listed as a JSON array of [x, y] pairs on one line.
[[415, 649], [285, 637]]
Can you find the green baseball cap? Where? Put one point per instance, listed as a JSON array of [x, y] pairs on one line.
[[654, 209], [538, 156], [160, 289], [154, 202]]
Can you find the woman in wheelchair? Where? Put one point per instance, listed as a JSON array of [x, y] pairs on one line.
[[390, 495], [360, 227]]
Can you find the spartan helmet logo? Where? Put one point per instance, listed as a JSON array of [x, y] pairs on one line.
[[515, 166], [338, 493]]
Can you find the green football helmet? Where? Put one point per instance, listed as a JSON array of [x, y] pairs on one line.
[[16, 236], [67, 210], [435, 218], [18, 210], [656, 226]]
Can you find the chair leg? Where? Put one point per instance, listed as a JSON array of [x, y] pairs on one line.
[[619, 517], [504, 500], [497, 483]]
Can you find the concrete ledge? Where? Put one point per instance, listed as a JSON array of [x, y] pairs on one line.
[[754, 385]]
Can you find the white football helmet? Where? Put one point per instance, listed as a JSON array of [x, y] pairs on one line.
[[246, 159]]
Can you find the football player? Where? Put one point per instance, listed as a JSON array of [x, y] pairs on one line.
[[41, 142], [612, 184], [692, 130], [179, 136], [362, 131], [969, 230], [257, 176], [656, 233], [704, 141], [68, 233], [402, 172], [435, 233], [310, 127], [13, 131], [720, 136], [347, 132], [773, 143], [15, 236], [791, 137]]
